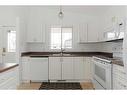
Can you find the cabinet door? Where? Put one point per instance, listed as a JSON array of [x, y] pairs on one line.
[[67, 68], [93, 29], [35, 31], [79, 68], [88, 68], [25, 69], [82, 28], [38, 69], [54, 68]]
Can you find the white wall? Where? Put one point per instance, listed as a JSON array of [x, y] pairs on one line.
[[118, 12], [72, 16], [8, 15], [49, 16]]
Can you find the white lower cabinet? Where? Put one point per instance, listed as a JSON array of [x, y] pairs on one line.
[[25, 69], [9, 79], [54, 68], [67, 68], [88, 68], [119, 77], [79, 68], [82, 68], [39, 69], [70, 68]]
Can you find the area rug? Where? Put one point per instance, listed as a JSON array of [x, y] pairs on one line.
[[60, 86]]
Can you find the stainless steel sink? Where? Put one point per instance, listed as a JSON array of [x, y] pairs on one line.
[[61, 54], [66, 54]]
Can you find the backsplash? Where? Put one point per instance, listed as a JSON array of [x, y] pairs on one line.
[[113, 47], [110, 47], [117, 49], [76, 47]]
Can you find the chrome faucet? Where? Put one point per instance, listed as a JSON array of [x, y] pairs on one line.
[[62, 50]]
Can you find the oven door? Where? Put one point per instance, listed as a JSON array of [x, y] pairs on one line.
[[102, 74]]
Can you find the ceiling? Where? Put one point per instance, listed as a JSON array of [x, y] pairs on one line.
[[85, 9]]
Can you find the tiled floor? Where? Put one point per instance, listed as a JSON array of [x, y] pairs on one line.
[[35, 86]]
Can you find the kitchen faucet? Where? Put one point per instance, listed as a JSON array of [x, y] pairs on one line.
[[62, 50]]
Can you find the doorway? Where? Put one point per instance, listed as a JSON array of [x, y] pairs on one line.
[[7, 44]]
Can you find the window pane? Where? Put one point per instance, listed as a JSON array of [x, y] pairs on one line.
[[11, 41], [55, 38], [121, 35], [111, 35], [66, 37]]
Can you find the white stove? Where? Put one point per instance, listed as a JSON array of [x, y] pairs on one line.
[[102, 72]]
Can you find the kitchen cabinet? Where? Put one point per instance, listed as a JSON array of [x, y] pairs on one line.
[[82, 68], [39, 69], [119, 77], [35, 31], [70, 68], [9, 79], [93, 34], [88, 68], [25, 67], [60, 68], [88, 32], [83, 31], [55, 68], [79, 68], [67, 68]]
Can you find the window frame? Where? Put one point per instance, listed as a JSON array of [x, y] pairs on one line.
[[58, 26], [9, 50]]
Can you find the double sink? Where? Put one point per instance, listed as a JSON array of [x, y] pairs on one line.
[[62, 54], [54, 55]]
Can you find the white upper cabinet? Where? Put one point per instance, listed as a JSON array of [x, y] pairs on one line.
[[35, 28], [82, 30], [36, 32], [88, 33], [92, 35]]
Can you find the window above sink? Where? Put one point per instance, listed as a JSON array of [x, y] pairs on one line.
[[61, 37]]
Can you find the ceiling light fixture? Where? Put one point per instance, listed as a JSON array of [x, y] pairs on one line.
[[60, 13]]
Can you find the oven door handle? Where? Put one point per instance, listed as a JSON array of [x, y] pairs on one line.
[[105, 66]]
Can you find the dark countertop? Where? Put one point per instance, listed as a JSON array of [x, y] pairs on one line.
[[7, 66], [65, 54], [105, 55], [118, 62]]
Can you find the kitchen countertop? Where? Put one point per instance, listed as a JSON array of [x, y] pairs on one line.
[[118, 62], [65, 54], [108, 56], [7, 66]]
